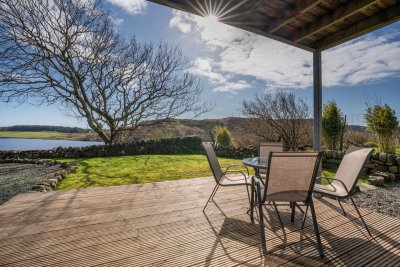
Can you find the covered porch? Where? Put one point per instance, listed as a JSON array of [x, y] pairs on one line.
[[162, 224]]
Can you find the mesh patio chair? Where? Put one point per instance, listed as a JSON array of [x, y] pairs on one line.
[[222, 178], [264, 149], [343, 184], [290, 178]]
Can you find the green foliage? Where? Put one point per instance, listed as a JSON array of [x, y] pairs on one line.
[[370, 144], [224, 137], [333, 125], [382, 121]]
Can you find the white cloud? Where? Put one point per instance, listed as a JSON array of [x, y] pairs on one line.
[[366, 60], [203, 66], [178, 21], [131, 6], [232, 87], [240, 53]]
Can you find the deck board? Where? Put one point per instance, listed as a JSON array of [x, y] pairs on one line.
[[162, 224]]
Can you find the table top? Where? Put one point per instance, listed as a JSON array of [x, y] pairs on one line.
[[257, 162]]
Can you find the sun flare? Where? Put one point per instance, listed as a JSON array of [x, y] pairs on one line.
[[210, 21]]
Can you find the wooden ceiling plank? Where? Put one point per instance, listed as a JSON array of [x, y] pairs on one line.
[[260, 31], [331, 18], [369, 24], [291, 14]]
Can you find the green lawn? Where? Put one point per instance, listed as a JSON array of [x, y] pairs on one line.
[[94, 172], [41, 135], [330, 172]]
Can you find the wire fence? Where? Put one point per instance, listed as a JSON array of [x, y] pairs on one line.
[[359, 119]]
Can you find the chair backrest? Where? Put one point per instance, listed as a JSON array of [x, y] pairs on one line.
[[291, 176], [351, 166], [265, 148], [213, 161]]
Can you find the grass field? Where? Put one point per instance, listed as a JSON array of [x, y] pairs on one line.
[[43, 135], [108, 171], [94, 172], [46, 135]]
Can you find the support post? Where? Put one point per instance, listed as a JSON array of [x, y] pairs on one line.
[[317, 74]]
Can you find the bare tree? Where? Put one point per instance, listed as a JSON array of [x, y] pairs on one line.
[[68, 52], [280, 116]]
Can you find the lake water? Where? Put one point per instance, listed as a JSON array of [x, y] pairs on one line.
[[41, 144]]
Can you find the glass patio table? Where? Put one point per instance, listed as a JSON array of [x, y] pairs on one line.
[[257, 163]]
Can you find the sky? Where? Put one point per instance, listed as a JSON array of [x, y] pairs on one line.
[[234, 65]]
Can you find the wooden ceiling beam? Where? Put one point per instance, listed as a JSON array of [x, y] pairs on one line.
[[367, 25], [289, 15], [331, 18]]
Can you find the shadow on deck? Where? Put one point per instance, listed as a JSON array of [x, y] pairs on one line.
[[162, 224]]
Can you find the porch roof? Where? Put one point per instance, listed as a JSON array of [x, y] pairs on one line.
[[309, 24]]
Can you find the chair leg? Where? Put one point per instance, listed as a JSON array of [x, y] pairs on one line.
[[252, 201], [316, 229], [304, 218], [211, 196], [341, 206], [279, 216], [261, 215], [359, 214], [293, 211]]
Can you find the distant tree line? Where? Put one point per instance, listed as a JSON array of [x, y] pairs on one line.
[[42, 128]]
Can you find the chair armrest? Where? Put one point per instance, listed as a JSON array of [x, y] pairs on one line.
[[237, 165], [329, 179], [237, 171]]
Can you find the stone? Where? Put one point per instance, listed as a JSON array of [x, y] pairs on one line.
[[376, 162], [398, 160], [381, 168], [64, 165], [391, 159], [58, 177], [393, 169], [376, 180], [388, 177], [375, 156], [52, 181], [45, 183], [370, 165], [365, 187], [383, 157], [39, 188], [71, 168]]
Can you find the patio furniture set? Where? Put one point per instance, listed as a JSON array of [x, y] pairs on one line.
[[290, 178]]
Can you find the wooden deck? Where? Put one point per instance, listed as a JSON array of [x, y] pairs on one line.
[[162, 224]]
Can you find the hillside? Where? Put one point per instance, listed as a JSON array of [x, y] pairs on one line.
[[202, 128]]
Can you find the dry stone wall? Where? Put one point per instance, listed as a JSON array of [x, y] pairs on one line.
[[187, 145], [382, 167]]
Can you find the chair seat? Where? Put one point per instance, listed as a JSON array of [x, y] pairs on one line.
[[334, 189], [284, 196]]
